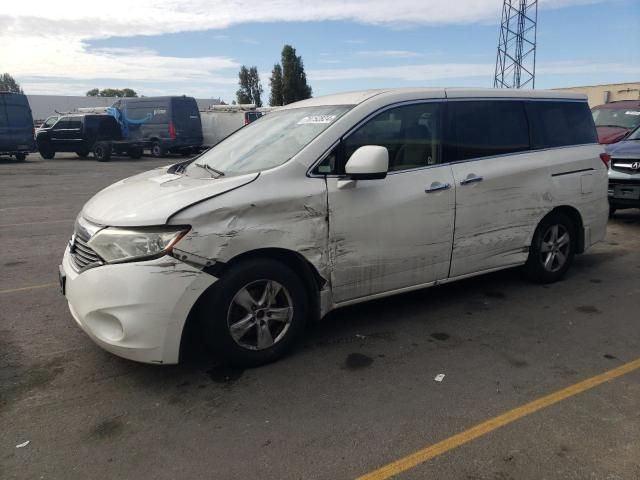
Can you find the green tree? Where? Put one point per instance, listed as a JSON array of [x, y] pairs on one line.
[[127, 92], [9, 84], [294, 79], [250, 90], [112, 92], [275, 82]]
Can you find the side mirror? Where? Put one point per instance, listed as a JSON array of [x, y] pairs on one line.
[[369, 162]]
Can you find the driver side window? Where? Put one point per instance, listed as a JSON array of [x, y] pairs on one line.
[[411, 134]]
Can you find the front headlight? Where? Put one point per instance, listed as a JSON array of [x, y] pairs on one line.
[[123, 244]]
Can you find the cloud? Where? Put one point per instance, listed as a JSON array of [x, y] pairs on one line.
[[48, 39]]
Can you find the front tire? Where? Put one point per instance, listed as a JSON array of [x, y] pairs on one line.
[[21, 157], [552, 249], [83, 153], [255, 313], [46, 152]]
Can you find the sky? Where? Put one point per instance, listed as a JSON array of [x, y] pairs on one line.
[[196, 47]]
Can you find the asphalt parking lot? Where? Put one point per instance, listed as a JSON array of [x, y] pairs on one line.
[[359, 392]]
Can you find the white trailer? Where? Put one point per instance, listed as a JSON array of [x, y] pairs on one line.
[[220, 121]]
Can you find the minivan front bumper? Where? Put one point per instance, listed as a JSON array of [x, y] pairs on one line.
[[135, 310]]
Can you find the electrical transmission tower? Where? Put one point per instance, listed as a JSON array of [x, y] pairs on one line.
[[516, 60]]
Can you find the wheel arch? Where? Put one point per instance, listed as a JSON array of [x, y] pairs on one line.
[[312, 280], [576, 218]]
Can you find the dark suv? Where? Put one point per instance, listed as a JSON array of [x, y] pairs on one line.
[[86, 133], [616, 119], [624, 173]]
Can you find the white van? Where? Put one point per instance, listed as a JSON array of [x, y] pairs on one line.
[[333, 201]]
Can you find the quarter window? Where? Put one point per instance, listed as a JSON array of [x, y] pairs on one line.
[[485, 128], [411, 134], [556, 124]]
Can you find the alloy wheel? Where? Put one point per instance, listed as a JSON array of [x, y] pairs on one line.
[[260, 314], [555, 248]]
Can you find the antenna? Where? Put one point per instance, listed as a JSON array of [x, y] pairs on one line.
[[516, 59]]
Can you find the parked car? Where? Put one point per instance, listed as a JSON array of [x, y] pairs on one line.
[[624, 173], [173, 124], [16, 125], [333, 201], [84, 134], [616, 119], [222, 120]]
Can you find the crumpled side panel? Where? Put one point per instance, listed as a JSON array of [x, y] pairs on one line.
[[261, 215]]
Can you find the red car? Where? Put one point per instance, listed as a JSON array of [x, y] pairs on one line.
[[616, 119]]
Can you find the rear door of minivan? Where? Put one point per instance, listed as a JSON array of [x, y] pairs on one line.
[[186, 119], [501, 187]]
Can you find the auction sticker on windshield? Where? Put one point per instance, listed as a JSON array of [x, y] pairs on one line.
[[317, 119]]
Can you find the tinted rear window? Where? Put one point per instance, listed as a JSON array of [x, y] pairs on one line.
[[557, 124], [484, 128], [185, 110]]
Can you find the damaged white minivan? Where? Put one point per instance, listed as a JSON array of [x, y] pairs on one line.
[[329, 202]]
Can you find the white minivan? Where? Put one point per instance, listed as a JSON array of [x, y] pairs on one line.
[[329, 202]]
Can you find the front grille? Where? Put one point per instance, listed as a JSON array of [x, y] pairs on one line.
[[82, 255], [631, 166]]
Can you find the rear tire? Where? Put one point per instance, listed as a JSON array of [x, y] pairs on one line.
[[157, 150], [254, 314], [102, 151], [612, 212], [83, 153], [21, 157], [552, 249]]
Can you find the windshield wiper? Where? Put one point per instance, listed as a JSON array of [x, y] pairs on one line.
[[210, 169], [611, 126]]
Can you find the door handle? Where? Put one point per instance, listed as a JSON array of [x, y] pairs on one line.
[[437, 186], [471, 178]]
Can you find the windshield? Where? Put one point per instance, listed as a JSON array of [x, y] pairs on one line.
[[50, 121], [617, 117], [271, 140], [635, 135]]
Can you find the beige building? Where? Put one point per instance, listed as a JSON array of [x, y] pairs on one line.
[[599, 94]]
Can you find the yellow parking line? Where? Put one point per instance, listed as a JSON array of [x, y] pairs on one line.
[[32, 287], [35, 223], [492, 424]]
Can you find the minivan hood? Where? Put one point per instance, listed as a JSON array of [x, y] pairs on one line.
[[150, 198], [611, 134]]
